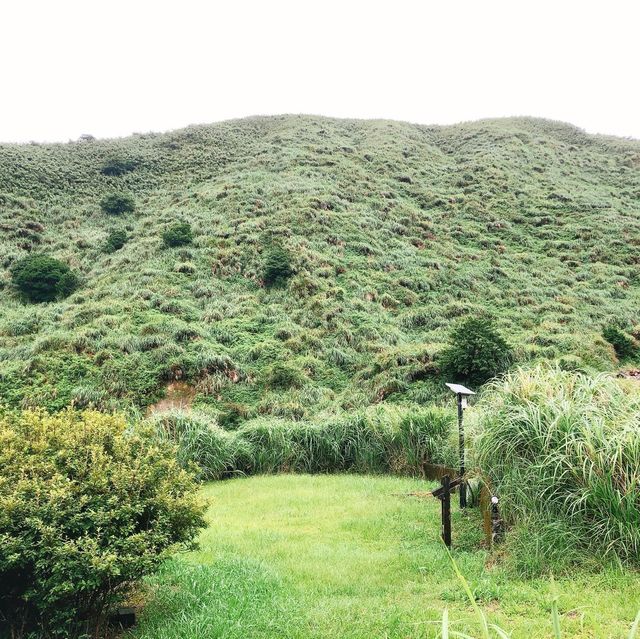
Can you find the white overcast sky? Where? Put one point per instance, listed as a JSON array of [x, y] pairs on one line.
[[112, 67]]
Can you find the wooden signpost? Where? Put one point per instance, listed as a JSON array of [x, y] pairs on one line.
[[444, 495]]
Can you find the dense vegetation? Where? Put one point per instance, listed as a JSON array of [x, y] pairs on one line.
[[563, 452], [375, 441], [87, 508], [390, 234]]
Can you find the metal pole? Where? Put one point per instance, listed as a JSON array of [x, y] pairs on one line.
[[495, 521], [463, 485]]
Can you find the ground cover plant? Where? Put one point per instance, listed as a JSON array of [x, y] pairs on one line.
[[87, 508], [393, 234]]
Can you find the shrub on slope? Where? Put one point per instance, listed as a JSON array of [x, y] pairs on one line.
[[115, 241], [277, 266], [179, 234], [117, 204], [477, 352], [41, 278]]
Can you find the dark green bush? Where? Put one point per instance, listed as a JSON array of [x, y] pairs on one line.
[[117, 166], [624, 345], [178, 235], [115, 241], [42, 278], [277, 266], [87, 508], [477, 353], [117, 204]]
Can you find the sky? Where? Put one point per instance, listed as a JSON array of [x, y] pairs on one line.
[[111, 68]]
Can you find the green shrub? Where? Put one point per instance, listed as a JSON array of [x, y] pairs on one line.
[[42, 278], [562, 451], [277, 267], [179, 234], [624, 345], [87, 508], [117, 166], [115, 241], [117, 204], [477, 353]]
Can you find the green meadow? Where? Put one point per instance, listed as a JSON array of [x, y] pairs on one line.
[[305, 556]]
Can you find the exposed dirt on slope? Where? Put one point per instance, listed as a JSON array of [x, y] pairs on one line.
[[177, 395]]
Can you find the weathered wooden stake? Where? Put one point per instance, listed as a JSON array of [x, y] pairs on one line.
[[446, 510], [444, 495]]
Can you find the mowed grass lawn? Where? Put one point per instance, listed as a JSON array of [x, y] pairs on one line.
[[350, 556]]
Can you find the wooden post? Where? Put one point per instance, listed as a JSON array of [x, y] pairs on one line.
[[446, 510]]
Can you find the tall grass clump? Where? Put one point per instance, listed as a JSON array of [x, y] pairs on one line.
[[562, 449], [373, 441], [216, 452]]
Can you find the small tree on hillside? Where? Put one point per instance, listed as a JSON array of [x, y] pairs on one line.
[[476, 354], [41, 278], [117, 166], [117, 204], [277, 266]]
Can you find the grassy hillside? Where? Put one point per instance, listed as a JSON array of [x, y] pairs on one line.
[[395, 230]]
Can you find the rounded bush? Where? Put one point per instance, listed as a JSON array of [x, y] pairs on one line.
[[178, 235], [477, 353], [117, 204], [87, 507], [115, 241], [41, 278]]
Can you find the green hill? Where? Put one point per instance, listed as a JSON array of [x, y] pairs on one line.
[[395, 232]]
